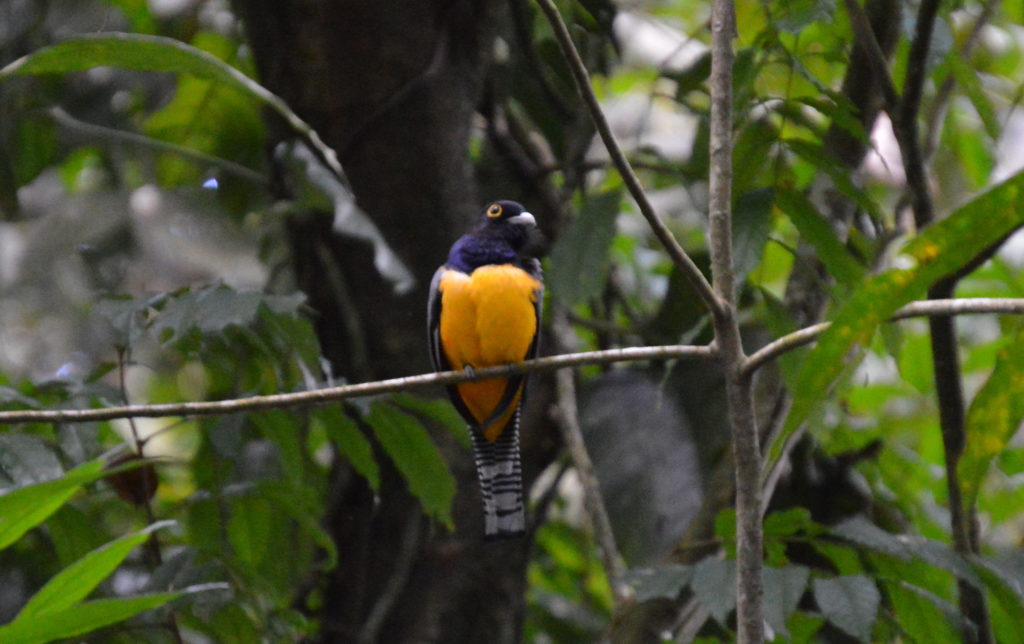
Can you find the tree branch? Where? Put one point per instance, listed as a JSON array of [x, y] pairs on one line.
[[664, 235], [959, 306], [865, 36], [568, 420], [924, 308], [332, 394], [945, 356]]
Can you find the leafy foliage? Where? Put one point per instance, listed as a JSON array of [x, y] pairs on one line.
[[145, 259]]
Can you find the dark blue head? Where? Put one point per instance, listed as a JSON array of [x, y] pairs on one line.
[[501, 237]]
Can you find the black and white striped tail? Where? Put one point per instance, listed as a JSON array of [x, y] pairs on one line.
[[501, 481]]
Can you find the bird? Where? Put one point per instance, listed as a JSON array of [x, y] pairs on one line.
[[484, 310]]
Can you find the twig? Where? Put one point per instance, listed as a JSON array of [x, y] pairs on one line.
[[865, 35], [664, 235], [332, 394], [92, 130], [569, 422], [152, 542], [924, 308], [937, 110], [396, 582]]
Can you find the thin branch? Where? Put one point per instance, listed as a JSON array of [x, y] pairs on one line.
[[395, 584], [905, 118], [937, 110], [664, 235], [333, 394], [865, 35], [568, 420], [152, 542], [959, 306], [924, 308], [94, 131]]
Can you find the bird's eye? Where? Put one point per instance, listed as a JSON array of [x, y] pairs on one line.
[[494, 210]]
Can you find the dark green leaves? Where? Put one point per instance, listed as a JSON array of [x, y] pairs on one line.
[[56, 611], [80, 618], [416, 457], [819, 234], [76, 581], [941, 249], [993, 418], [26, 507], [850, 602], [751, 225], [159, 54], [345, 434], [663, 582], [580, 259]]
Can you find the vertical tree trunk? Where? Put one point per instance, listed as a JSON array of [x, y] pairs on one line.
[[392, 87]]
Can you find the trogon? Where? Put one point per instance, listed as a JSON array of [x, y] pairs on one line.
[[485, 310]]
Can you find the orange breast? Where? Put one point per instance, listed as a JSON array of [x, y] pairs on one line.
[[487, 318]]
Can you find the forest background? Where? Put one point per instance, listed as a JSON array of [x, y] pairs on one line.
[[205, 201]]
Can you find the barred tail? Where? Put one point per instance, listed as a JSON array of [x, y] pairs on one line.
[[501, 481]]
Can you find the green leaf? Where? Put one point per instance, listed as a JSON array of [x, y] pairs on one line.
[[416, 457], [864, 533], [663, 582], [26, 459], [850, 602], [751, 224], [924, 615], [24, 508], [249, 528], [915, 362], [280, 427], [439, 410], [787, 522], [969, 79], [35, 145], [1004, 578], [201, 116], [308, 518], [819, 234], [993, 418], [148, 53], [208, 310], [74, 533], [580, 257], [815, 154], [714, 585], [72, 584], [792, 16], [783, 588], [345, 434], [81, 618], [941, 249]]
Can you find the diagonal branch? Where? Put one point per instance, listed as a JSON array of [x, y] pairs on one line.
[[664, 235], [568, 419]]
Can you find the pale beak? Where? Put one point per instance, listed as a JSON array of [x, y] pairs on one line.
[[523, 218]]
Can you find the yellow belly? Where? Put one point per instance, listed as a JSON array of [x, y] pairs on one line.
[[487, 318]]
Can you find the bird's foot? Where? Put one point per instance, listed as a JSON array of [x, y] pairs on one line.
[[469, 371]]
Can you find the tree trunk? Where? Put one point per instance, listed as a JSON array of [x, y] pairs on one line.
[[392, 87]]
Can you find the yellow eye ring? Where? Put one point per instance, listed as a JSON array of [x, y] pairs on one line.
[[494, 211]]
